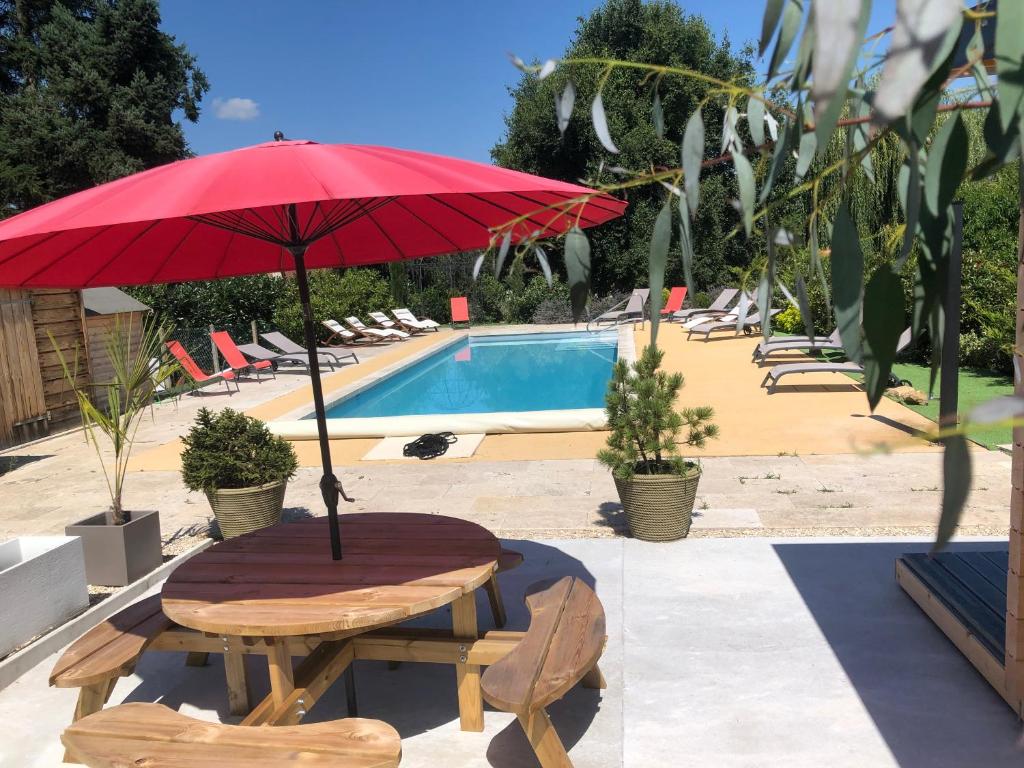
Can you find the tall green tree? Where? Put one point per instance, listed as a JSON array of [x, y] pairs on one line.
[[90, 90], [657, 32]]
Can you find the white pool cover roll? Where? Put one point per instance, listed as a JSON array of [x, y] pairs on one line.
[[576, 420]]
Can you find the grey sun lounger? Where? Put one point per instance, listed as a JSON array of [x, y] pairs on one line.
[[717, 307], [778, 371], [259, 352], [633, 312], [752, 323], [289, 347], [831, 343]]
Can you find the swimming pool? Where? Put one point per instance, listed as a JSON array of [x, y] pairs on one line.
[[493, 373]]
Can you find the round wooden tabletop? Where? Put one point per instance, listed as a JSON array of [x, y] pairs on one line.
[[281, 581]]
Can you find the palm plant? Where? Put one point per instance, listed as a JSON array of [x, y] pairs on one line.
[[139, 367], [645, 426]]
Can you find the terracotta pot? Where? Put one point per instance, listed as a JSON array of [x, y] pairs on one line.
[[659, 507], [116, 555], [241, 510]]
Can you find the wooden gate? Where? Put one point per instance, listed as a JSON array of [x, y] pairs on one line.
[[22, 404]]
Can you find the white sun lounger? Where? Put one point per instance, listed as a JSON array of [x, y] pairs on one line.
[[752, 323], [359, 327], [406, 317], [345, 336]]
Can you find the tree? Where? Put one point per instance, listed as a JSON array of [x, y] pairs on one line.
[[652, 33], [88, 93]]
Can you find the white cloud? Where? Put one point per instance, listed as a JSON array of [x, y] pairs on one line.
[[236, 109]]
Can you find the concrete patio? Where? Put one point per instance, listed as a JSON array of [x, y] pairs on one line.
[[721, 652]]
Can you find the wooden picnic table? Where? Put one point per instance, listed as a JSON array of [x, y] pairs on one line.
[[279, 587]]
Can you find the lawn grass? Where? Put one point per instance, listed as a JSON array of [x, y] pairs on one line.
[[975, 387]]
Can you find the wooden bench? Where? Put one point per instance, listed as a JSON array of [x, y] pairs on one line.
[[561, 648], [108, 651], [153, 735], [508, 560]]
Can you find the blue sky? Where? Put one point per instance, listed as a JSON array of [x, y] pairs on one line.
[[420, 75]]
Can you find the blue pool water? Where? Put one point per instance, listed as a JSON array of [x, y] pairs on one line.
[[484, 374]]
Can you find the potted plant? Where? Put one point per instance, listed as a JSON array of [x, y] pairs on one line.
[[656, 485], [241, 467], [120, 545]]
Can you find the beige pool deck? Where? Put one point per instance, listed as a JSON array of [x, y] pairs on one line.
[[808, 459]]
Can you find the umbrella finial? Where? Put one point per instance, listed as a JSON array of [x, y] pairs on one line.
[[278, 136]]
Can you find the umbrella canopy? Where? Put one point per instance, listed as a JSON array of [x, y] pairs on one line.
[[279, 206], [229, 214]]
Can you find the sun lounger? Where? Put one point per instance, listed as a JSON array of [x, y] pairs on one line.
[[359, 327], [751, 324], [405, 317], [235, 359], [286, 345], [675, 300], [717, 307], [195, 373], [383, 321], [778, 371], [830, 343], [259, 353], [344, 336], [632, 313], [460, 310]]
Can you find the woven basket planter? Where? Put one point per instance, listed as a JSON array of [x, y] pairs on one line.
[[241, 510], [659, 507]]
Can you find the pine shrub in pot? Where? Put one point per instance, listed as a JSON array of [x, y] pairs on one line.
[[242, 468], [656, 485]]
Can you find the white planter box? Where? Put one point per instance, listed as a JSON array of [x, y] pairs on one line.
[[42, 583]]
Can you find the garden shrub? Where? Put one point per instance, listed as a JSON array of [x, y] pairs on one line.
[[334, 295], [788, 321], [700, 300], [522, 306], [432, 302], [977, 351]]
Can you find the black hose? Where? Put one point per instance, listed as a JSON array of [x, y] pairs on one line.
[[429, 446]]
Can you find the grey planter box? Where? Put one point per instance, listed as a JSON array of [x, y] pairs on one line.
[[42, 584], [116, 555]]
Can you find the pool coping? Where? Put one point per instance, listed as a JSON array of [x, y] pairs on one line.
[[293, 426]]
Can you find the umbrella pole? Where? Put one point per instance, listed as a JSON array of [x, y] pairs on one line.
[[329, 485]]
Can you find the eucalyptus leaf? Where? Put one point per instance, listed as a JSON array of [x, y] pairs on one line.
[[1010, 61], [770, 22], [545, 265], [859, 136], [764, 302], [976, 53], [779, 158], [730, 139], [745, 179], [477, 264], [692, 156], [577, 269], [658, 116], [686, 244], [956, 487], [600, 121], [838, 31], [883, 321], [817, 267], [923, 35], [792, 14], [787, 293], [564, 105], [742, 310], [773, 125], [910, 183], [947, 163], [997, 409], [755, 120], [804, 302], [506, 243], [661, 240], [847, 281], [547, 69], [805, 154]]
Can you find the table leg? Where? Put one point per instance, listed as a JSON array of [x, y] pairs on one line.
[[282, 674], [239, 699], [467, 676]]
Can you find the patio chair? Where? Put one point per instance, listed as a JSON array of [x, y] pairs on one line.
[[235, 359], [155, 735], [560, 649], [460, 311], [288, 346], [676, 297], [747, 326], [359, 327], [778, 371], [406, 317], [260, 353], [633, 311], [346, 337], [717, 307], [196, 376], [831, 343], [383, 321]]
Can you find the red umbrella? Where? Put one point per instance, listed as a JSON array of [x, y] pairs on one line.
[[279, 206]]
